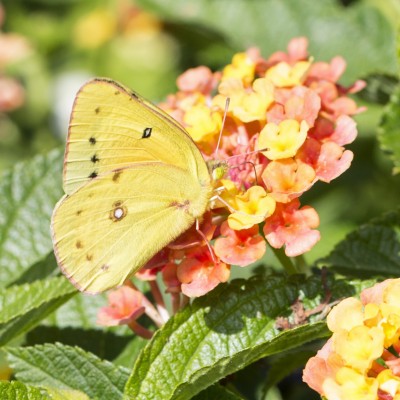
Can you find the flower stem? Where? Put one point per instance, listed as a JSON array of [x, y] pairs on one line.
[[176, 302], [140, 330], [150, 310], [285, 261], [301, 264], [160, 304]]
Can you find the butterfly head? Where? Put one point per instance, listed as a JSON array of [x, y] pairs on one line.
[[217, 169]]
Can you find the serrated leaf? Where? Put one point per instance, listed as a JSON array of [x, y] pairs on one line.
[[271, 24], [217, 392], [69, 368], [28, 193], [23, 306], [371, 250], [389, 130], [222, 333], [19, 391]]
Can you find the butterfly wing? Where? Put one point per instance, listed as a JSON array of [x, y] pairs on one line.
[[112, 225], [112, 127]]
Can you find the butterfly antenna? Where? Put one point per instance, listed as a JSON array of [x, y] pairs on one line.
[[250, 153], [222, 126], [252, 164]]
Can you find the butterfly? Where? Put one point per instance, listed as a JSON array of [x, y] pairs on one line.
[[133, 179]]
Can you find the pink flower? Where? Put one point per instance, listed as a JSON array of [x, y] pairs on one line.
[[125, 305], [292, 227], [199, 79], [299, 103]]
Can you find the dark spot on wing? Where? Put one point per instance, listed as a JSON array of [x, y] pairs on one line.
[[116, 176], [133, 94], [118, 212], [94, 159], [183, 206], [97, 110], [89, 257], [104, 267], [78, 244], [92, 140], [146, 133], [117, 92], [79, 212], [93, 175]]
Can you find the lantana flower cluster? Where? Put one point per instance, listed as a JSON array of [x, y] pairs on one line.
[[285, 128], [361, 361]]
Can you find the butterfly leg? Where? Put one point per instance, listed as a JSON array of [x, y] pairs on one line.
[[203, 236]]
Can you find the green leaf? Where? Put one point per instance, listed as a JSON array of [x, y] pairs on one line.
[[223, 332], [28, 193], [379, 89], [371, 250], [69, 368], [287, 362], [217, 392], [79, 312], [103, 343], [22, 307], [19, 391], [389, 130], [271, 24]]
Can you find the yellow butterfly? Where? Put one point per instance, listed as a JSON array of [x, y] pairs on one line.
[[134, 181]]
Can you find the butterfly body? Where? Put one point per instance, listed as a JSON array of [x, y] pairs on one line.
[[134, 181]]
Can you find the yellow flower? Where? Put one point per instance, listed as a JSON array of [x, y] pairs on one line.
[[360, 346], [246, 104], [242, 68], [350, 385], [345, 315], [284, 75], [94, 29], [252, 207], [388, 382], [283, 140], [202, 123]]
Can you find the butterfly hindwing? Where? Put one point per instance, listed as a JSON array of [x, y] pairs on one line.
[[112, 225]]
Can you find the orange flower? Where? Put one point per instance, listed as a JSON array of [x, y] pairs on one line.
[[199, 274], [287, 179], [239, 247]]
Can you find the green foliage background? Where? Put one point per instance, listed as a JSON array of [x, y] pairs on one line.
[[146, 49]]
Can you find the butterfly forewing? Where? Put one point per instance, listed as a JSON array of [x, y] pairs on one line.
[[112, 127]]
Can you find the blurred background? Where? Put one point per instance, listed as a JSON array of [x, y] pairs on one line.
[[48, 48]]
